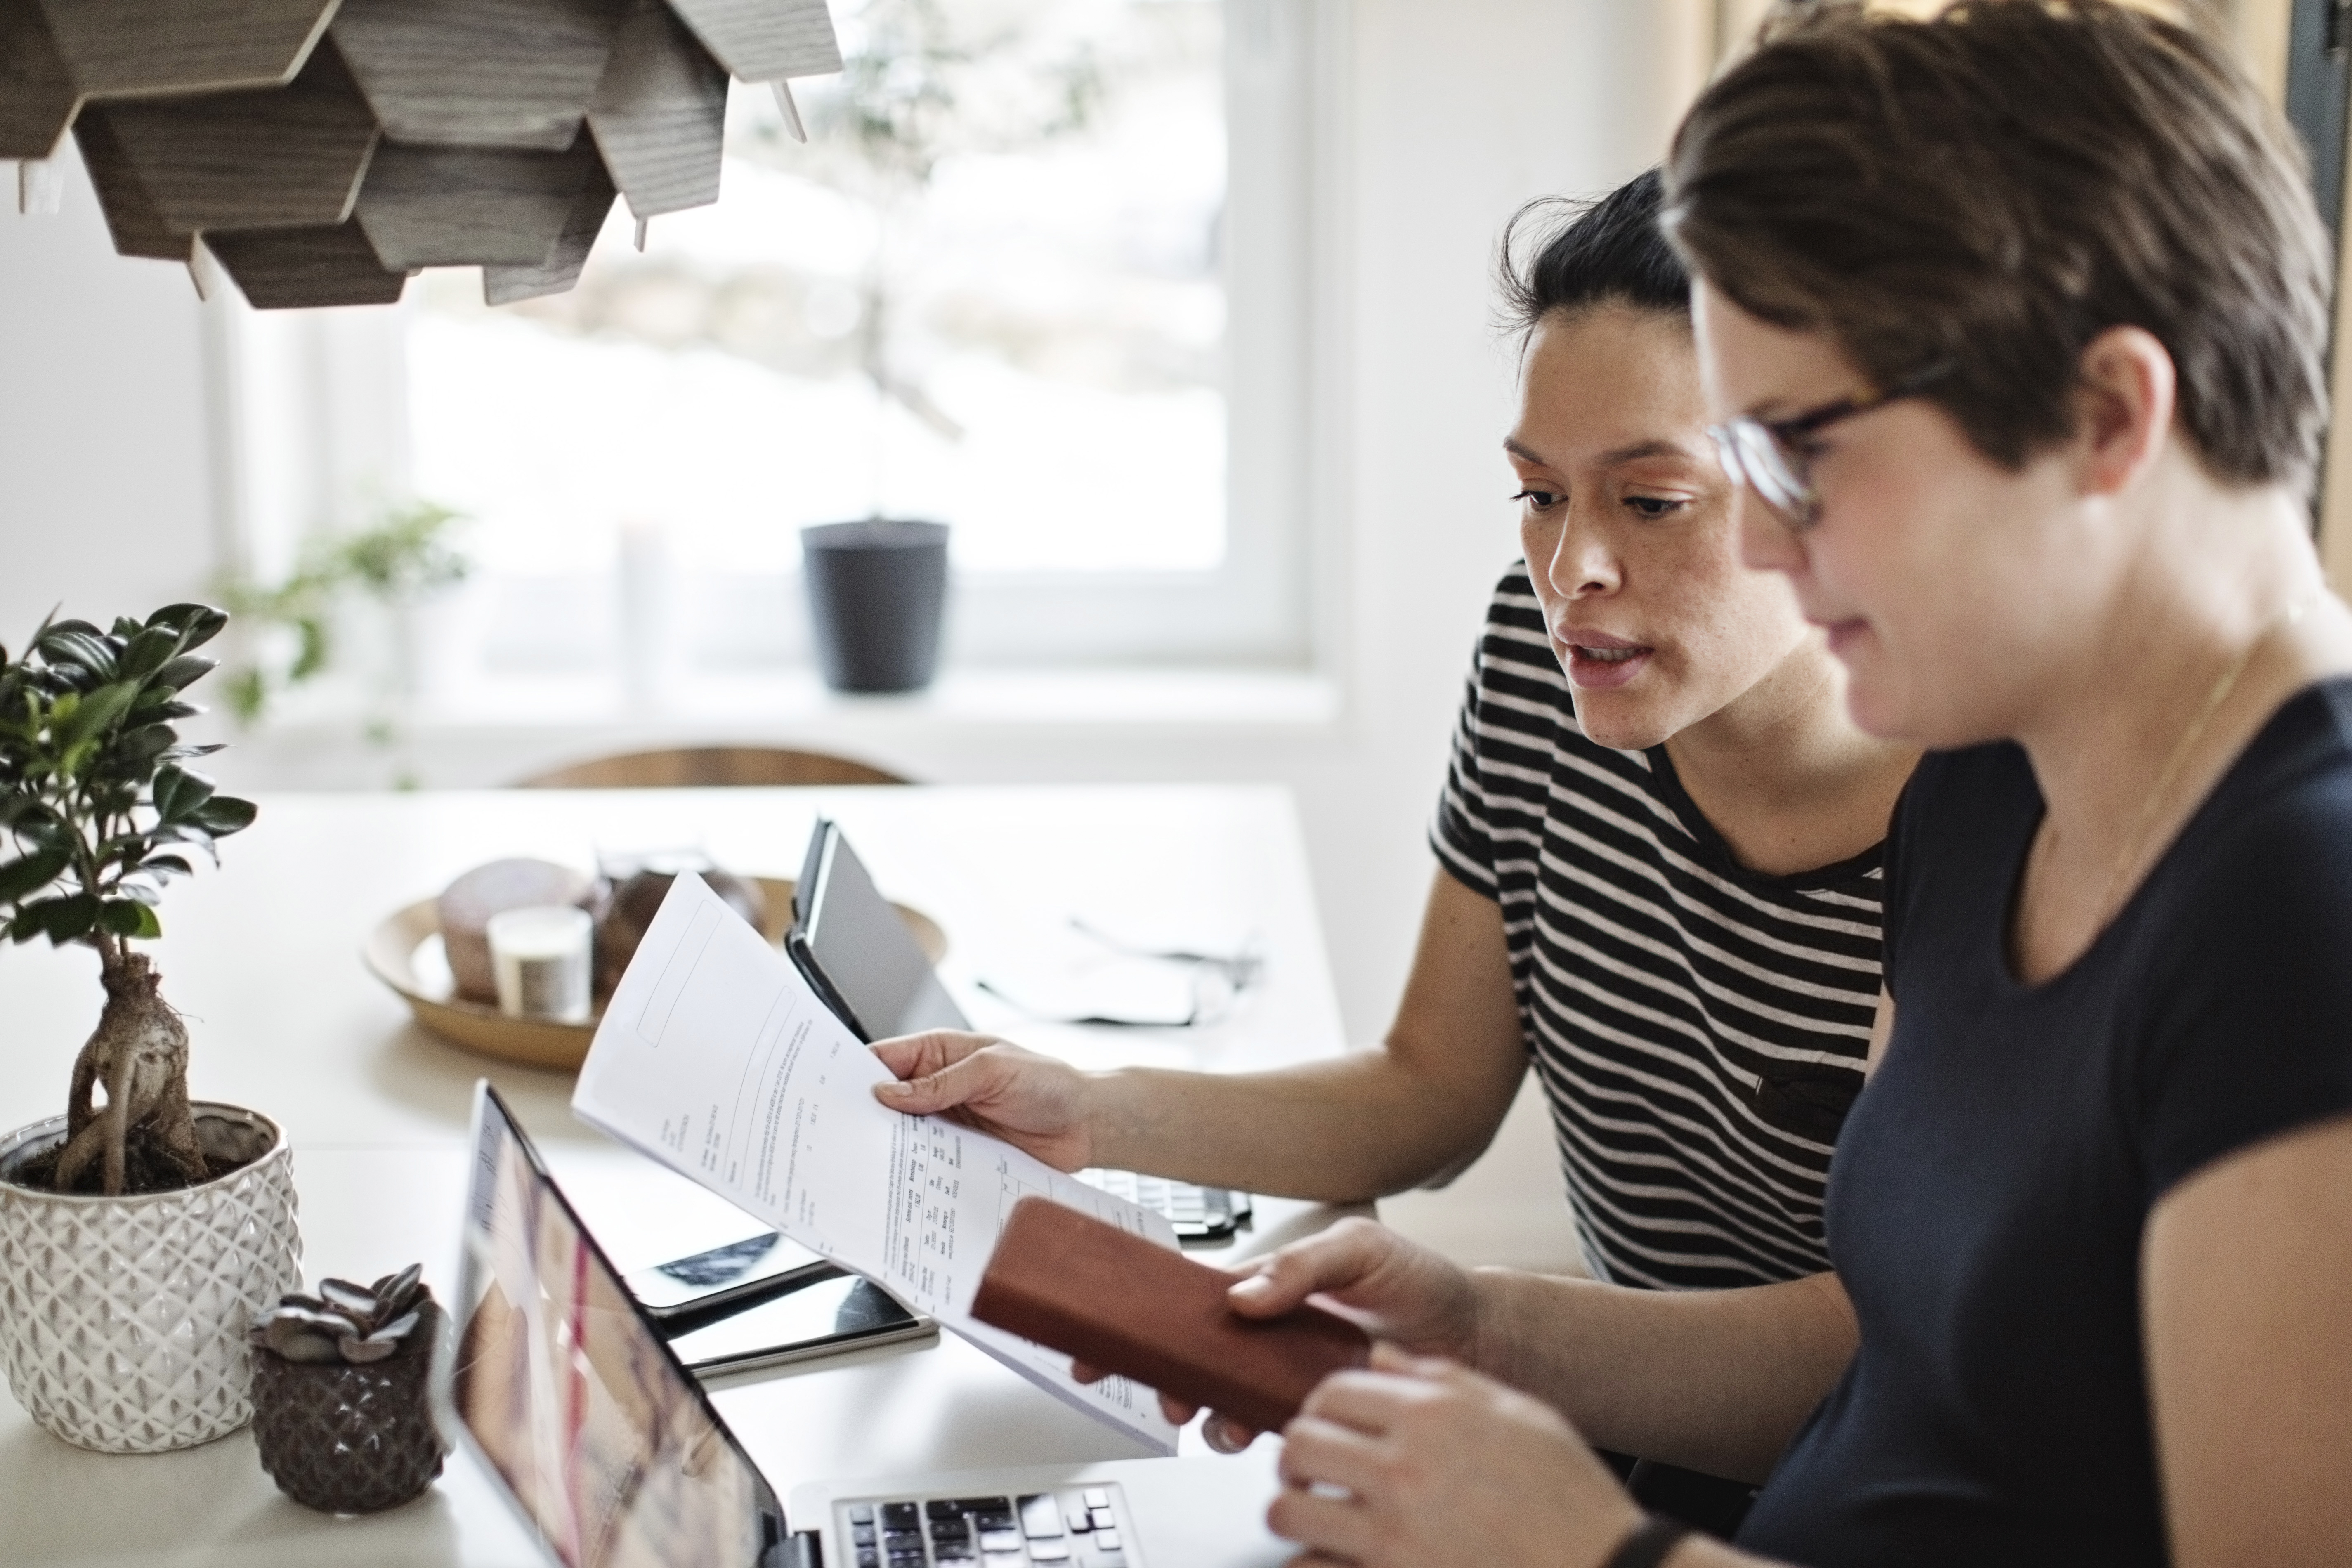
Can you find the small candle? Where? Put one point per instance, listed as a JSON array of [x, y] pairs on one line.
[[541, 958]]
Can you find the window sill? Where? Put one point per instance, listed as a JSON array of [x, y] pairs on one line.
[[972, 699]]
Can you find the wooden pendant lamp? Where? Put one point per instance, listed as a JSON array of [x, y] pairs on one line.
[[323, 151]]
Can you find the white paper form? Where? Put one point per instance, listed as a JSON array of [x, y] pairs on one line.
[[716, 1058]]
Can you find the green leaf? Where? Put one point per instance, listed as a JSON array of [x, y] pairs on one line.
[[63, 920], [25, 927], [198, 624], [178, 793], [30, 873], [124, 918], [224, 814], [144, 744], [90, 648], [314, 651], [148, 650], [44, 835], [167, 866], [96, 711], [184, 671]]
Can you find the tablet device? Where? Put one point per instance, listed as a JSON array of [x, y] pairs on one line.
[[855, 951]]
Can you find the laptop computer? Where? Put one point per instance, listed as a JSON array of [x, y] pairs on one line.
[[561, 1385], [854, 951]]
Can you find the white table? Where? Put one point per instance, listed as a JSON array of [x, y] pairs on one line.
[[263, 957]]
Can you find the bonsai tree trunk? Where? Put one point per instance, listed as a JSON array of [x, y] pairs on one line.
[[139, 1052]]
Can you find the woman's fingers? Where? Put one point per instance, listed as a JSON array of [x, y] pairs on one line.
[[915, 1055], [949, 1070], [1331, 1260], [1339, 1527], [1366, 1401], [1317, 1451]]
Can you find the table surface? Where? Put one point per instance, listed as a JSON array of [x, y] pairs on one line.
[[262, 956]]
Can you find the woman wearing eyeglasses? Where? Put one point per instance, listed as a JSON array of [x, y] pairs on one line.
[[2015, 322], [1659, 848]]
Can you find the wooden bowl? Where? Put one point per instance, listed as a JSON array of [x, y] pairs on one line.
[[393, 952]]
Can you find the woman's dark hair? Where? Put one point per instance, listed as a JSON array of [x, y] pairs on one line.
[[1997, 187], [1588, 254]]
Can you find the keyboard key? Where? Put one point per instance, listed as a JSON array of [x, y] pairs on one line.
[[1049, 1550], [861, 1534], [1097, 1497], [861, 1513], [868, 1558], [953, 1550], [983, 1505], [1106, 1539], [1003, 1560], [905, 1515], [1102, 1516], [1040, 1516], [999, 1541], [943, 1508]]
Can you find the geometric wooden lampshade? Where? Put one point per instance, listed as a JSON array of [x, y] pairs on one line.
[[323, 151]]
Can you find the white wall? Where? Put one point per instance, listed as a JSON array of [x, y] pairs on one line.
[[1457, 114], [106, 475]]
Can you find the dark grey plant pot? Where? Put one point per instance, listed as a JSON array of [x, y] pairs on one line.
[[349, 1439], [877, 591]]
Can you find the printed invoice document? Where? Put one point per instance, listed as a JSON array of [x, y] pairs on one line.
[[716, 1058]]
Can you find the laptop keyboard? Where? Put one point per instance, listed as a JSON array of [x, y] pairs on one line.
[[1197, 1213], [1075, 1527]]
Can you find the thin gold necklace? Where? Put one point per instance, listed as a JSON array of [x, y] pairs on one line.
[[2170, 772]]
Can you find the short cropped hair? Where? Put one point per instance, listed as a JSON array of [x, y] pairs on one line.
[[1996, 187], [1564, 255]]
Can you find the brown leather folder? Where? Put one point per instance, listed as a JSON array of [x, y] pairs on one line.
[[1127, 1306]]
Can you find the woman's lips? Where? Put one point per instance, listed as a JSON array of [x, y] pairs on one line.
[[1844, 635], [1599, 668]]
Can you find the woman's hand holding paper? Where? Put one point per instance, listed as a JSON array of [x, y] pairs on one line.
[[1031, 1101]]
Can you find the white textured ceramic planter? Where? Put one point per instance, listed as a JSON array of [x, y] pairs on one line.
[[122, 1319]]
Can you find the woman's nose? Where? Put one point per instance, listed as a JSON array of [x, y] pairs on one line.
[[1581, 562]]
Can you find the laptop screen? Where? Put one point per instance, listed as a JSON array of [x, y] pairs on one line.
[[563, 1389]]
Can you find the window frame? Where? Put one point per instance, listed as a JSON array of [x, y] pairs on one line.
[[317, 429]]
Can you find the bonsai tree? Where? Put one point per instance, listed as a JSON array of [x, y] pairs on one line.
[[95, 805]]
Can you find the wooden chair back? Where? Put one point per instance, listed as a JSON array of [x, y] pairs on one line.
[[691, 767]]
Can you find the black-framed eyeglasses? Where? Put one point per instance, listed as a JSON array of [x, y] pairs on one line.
[[1768, 456]]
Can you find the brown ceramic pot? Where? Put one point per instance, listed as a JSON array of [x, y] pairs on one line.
[[349, 1439]]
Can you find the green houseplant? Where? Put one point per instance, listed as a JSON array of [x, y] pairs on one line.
[[136, 1236]]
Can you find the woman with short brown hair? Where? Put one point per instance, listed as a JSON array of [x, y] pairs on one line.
[[2013, 322]]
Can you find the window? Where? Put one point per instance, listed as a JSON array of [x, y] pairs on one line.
[[1062, 308]]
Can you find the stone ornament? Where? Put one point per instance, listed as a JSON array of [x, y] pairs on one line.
[[123, 1319], [323, 151]]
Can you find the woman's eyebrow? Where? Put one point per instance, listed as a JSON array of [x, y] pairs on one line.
[[1638, 450]]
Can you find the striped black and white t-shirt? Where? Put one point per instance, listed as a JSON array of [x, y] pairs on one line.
[[1699, 1028]]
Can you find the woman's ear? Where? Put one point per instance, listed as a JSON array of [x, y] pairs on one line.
[[2124, 405]]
